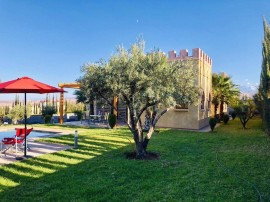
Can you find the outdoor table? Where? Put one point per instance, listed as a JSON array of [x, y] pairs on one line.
[[95, 118]]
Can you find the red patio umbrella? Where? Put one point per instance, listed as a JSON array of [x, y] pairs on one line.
[[27, 85]]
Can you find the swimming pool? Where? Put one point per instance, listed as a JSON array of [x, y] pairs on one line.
[[34, 133]]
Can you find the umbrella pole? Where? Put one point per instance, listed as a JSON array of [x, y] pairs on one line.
[[25, 116]]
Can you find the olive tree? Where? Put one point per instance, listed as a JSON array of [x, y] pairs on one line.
[[17, 112], [145, 82], [245, 110]]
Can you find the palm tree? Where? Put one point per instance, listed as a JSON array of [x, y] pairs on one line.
[[80, 96], [223, 90]]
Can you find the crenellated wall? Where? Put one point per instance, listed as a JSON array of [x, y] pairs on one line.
[[196, 53]]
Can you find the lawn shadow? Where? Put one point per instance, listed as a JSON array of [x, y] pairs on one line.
[[99, 171], [17, 176]]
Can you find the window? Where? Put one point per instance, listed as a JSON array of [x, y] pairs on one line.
[[202, 101], [209, 101], [181, 106]]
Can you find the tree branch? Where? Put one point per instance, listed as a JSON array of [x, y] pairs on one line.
[[146, 106], [108, 101], [160, 115]]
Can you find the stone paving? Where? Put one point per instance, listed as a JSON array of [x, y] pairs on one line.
[[37, 148], [105, 125], [204, 130], [87, 124]]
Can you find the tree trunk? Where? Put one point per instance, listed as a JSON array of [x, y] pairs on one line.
[[221, 108], [140, 151], [154, 117], [244, 121], [244, 124], [139, 144], [215, 110], [147, 137], [91, 110], [136, 129], [266, 116]]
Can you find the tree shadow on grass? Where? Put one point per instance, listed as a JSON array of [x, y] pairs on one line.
[[98, 171], [18, 176], [35, 178]]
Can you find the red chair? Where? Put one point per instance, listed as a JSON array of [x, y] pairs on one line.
[[18, 140]]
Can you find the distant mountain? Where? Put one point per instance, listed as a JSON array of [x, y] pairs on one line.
[[248, 90], [6, 103], [11, 101]]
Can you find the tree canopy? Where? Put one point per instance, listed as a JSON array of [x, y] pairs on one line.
[[224, 91], [264, 89], [144, 82], [245, 110]]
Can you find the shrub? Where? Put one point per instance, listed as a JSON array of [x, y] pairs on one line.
[[233, 115], [212, 123], [48, 110], [226, 118], [79, 114], [16, 114], [112, 120], [217, 117], [47, 118]]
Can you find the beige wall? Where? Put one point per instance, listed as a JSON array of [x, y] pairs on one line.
[[194, 117]]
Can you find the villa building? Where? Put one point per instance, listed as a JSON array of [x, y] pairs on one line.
[[192, 116]]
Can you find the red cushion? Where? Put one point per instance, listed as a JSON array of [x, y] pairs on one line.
[[9, 140]]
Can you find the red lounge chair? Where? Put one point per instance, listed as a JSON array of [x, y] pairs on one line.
[[18, 140]]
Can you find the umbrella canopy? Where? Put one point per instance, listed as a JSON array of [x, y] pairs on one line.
[[27, 85]]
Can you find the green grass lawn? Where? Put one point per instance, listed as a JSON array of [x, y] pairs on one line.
[[230, 164]]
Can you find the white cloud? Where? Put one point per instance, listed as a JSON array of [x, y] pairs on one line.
[[248, 88]]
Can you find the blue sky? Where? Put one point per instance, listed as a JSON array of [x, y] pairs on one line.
[[50, 40]]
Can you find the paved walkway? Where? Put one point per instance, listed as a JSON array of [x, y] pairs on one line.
[[37, 148], [91, 124], [87, 124], [103, 125]]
